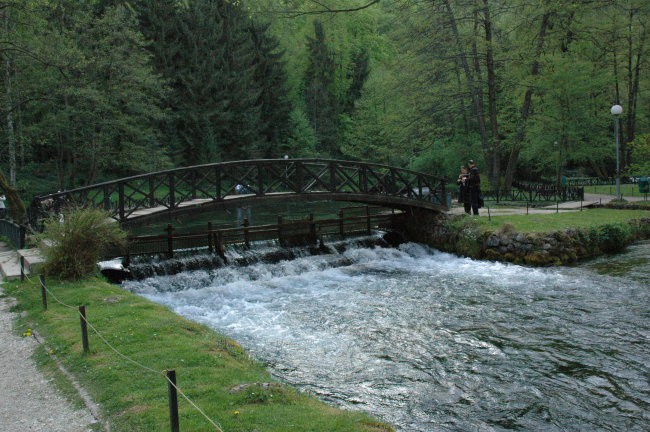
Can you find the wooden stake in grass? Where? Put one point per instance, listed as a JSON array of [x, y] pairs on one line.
[[41, 278], [173, 400], [84, 328]]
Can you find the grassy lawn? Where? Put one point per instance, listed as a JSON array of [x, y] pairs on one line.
[[561, 221], [626, 190], [209, 366]]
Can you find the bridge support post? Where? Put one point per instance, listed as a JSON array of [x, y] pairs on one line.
[[341, 224]]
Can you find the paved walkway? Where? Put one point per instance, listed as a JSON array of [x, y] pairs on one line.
[[569, 206], [28, 400]]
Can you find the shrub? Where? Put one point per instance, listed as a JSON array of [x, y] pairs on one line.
[[613, 237], [77, 241], [467, 237]]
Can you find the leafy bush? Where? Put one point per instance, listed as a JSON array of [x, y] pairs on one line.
[[613, 237], [467, 236], [75, 243]]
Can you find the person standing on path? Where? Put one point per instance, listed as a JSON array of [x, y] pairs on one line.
[[3, 207], [474, 183], [463, 188]]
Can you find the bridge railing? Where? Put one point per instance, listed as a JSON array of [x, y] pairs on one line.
[[14, 232], [168, 190]]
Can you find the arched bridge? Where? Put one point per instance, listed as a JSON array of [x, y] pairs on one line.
[[232, 184]]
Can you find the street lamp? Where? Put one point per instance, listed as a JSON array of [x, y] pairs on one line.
[[616, 111]]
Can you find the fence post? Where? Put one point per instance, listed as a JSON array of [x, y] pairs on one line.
[[41, 278], [219, 246], [120, 201], [341, 225], [173, 400], [22, 268], [23, 231], [210, 249], [170, 241], [247, 239], [280, 222], [84, 328], [312, 229], [368, 225]]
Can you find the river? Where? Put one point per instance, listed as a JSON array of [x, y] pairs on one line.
[[428, 341]]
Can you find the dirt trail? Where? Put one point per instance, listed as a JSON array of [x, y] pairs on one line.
[[28, 401]]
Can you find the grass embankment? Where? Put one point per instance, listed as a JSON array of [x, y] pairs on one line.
[[627, 190], [538, 223], [540, 240], [214, 371]]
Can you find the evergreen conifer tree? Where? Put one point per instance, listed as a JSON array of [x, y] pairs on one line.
[[320, 101], [274, 101]]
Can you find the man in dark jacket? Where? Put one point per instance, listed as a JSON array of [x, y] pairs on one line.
[[474, 185]]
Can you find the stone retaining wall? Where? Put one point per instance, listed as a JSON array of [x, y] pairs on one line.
[[462, 236]]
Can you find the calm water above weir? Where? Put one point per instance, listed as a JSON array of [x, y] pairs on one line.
[[428, 341]]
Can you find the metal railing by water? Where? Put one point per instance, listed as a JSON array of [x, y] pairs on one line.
[[14, 232], [286, 232]]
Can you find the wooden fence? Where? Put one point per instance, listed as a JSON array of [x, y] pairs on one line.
[[286, 232]]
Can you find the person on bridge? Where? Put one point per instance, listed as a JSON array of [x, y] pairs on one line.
[[474, 186], [3, 207], [463, 188]]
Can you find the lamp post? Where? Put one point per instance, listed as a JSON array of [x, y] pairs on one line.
[[616, 111]]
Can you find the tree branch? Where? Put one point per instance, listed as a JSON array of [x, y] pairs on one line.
[[324, 9]]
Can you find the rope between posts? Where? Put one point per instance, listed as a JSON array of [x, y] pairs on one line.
[[125, 357], [56, 298], [129, 359], [193, 404]]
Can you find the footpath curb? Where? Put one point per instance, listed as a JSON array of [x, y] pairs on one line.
[[10, 261]]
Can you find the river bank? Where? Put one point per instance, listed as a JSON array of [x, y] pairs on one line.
[[511, 239]]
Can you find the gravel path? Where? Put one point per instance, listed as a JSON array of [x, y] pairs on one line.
[[28, 402]]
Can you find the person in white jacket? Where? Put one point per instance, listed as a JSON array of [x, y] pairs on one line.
[[3, 207]]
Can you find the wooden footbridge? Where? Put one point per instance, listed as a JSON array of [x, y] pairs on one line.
[[234, 184]]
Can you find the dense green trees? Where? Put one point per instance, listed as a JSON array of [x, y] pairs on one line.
[[96, 89]]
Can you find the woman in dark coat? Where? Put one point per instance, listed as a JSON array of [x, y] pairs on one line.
[[463, 188], [474, 186]]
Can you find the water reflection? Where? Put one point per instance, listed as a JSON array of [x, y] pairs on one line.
[[428, 341]]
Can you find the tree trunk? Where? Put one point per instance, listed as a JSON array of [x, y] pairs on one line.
[[485, 145], [525, 109], [494, 169], [477, 100], [633, 86], [11, 135]]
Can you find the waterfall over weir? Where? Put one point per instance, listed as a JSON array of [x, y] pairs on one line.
[[269, 252]]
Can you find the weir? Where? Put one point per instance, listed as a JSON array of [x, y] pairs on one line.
[[216, 246]]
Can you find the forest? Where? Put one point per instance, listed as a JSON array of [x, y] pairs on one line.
[[99, 89]]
